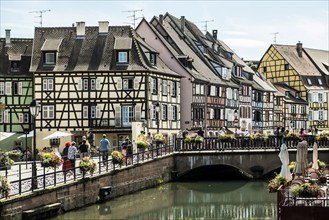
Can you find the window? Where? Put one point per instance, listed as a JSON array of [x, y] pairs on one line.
[[85, 111], [309, 97], [320, 115], [309, 81], [320, 97], [17, 86], [297, 95], [264, 69], [49, 58], [48, 84], [92, 84], [122, 57], [154, 85], [287, 94], [14, 66], [303, 109], [164, 112], [320, 82], [128, 84], [85, 84], [2, 88], [293, 109], [164, 87], [173, 89], [48, 112], [23, 117], [153, 59], [212, 90], [127, 115], [174, 112], [286, 66]]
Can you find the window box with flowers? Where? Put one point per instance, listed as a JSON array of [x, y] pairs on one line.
[[324, 136], [117, 157], [159, 138], [226, 138], [4, 187], [87, 165], [292, 136], [307, 190], [50, 159], [5, 161], [188, 139], [198, 139]]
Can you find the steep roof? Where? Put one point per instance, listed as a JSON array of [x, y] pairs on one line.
[[320, 58], [20, 49], [283, 88]]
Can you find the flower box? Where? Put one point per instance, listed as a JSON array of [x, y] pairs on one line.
[[50, 159], [117, 157], [87, 165], [4, 187]]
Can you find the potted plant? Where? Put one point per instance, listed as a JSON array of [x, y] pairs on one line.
[[257, 136], [277, 182], [188, 139], [50, 159], [117, 157], [226, 138], [4, 187], [306, 190], [292, 166], [15, 155], [87, 164], [159, 138]]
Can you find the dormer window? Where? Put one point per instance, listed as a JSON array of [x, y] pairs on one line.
[[14, 66], [287, 94], [49, 51], [309, 81], [153, 59], [297, 95], [122, 46], [320, 82]]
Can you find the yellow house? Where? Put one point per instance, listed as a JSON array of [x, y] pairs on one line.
[[306, 71]]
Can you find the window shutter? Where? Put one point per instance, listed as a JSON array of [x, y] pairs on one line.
[[325, 97], [136, 83], [20, 85], [98, 111], [119, 84], [212, 113], [137, 112], [325, 115], [310, 115], [159, 86], [8, 88], [170, 112], [85, 111], [316, 115], [151, 83], [151, 112], [118, 116], [20, 117], [315, 97], [98, 84], [80, 84], [6, 116]]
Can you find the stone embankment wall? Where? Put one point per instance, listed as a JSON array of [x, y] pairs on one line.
[[86, 191]]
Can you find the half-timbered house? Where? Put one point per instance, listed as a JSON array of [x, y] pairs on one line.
[[102, 79], [203, 92], [304, 69], [15, 87]]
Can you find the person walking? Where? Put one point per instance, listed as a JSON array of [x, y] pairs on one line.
[[72, 154], [83, 148], [104, 149], [66, 162]]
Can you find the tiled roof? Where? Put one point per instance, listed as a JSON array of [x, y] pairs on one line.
[[281, 87], [91, 52], [320, 58], [20, 49]]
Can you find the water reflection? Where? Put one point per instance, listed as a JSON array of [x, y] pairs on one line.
[[197, 200]]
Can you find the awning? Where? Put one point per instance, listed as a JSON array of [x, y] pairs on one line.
[[51, 45], [122, 43]]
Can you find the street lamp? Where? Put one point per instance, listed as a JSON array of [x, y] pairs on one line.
[[34, 109], [157, 109]]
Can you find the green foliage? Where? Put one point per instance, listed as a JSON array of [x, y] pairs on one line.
[[306, 190], [87, 164], [274, 184]]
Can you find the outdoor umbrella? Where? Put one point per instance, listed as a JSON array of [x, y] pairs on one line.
[[30, 134], [4, 135], [301, 158], [284, 157], [315, 157], [57, 134]]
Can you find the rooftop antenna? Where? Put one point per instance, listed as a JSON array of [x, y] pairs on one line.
[[206, 24], [40, 16], [134, 15], [274, 38]]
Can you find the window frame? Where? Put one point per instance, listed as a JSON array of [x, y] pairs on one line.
[[47, 60], [128, 84], [122, 57]]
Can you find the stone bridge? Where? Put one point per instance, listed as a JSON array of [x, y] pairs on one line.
[[250, 163]]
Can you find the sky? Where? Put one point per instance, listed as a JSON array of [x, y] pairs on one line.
[[247, 27]]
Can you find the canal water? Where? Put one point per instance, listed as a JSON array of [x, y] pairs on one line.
[[240, 200]]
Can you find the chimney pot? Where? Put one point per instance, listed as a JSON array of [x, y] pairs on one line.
[[161, 19], [103, 27], [182, 22], [214, 34], [8, 40], [81, 29], [299, 49]]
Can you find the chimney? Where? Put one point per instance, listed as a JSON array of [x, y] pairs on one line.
[[214, 34], [161, 19], [8, 41], [81, 29], [103, 27], [299, 49], [182, 23]]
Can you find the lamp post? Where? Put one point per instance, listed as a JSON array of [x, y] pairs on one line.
[[34, 109], [157, 109]]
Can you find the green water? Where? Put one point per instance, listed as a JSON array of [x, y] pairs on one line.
[[193, 200]]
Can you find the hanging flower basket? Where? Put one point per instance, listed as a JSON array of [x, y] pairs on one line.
[[50, 159], [117, 157], [5, 161], [198, 139], [87, 165], [275, 183], [188, 139], [142, 144], [159, 138]]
